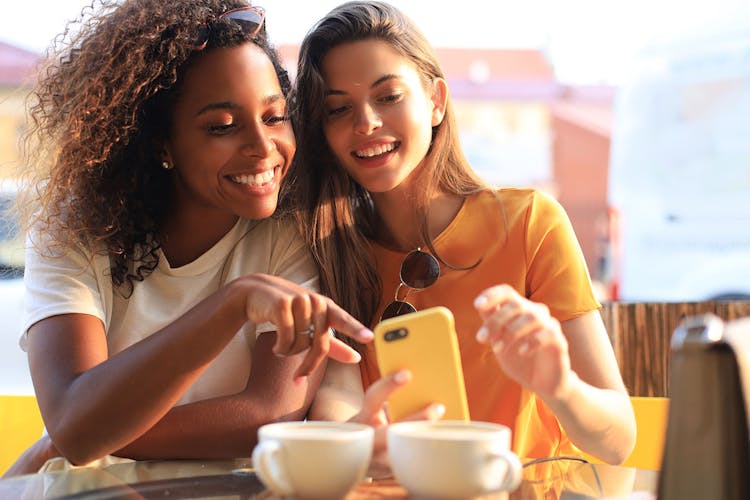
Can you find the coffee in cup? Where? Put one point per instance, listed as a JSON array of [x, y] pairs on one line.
[[453, 459], [312, 460]]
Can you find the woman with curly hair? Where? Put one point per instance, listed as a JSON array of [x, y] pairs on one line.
[[167, 312]]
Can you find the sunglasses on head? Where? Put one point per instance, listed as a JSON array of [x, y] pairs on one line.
[[418, 271], [249, 19]]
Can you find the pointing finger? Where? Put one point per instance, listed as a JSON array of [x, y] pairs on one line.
[[345, 324]]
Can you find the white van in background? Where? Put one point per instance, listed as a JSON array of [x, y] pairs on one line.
[[14, 369], [680, 173]]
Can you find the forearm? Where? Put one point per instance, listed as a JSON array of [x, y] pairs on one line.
[[340, 395], [103, 405], [598, 421], [97, 404], [226, 427], [331, 404], [217, 428]]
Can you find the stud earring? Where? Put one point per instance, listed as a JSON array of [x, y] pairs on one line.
[[166, 165]]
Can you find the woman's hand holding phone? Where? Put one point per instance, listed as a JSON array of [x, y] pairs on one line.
[[425, 343], [374, 412]]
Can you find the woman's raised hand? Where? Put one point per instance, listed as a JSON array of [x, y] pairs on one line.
[[528, 343], [303, 320]]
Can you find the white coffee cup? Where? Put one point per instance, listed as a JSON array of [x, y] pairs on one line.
[[453, 459], [312, 460]]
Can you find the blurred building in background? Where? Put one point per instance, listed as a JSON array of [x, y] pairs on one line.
[[502, 101], [581, 127], [16, 68]]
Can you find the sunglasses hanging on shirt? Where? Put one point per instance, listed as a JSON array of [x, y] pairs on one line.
[[419, 270]]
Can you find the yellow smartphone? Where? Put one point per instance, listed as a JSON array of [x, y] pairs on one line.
[[425, 343]]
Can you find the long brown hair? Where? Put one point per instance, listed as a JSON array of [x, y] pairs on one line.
[[334, 212], [100, 113]]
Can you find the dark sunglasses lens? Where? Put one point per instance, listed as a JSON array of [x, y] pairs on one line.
[[248, 20], [397, 308], [419, 270]]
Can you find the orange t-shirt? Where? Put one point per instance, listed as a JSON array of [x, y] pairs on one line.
[[523, 238]]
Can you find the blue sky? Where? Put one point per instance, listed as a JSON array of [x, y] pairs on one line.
[[589, 41]]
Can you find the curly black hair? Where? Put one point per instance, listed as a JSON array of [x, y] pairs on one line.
[[99, 116]]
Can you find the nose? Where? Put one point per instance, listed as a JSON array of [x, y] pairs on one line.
[[258, 141], [367, 120]]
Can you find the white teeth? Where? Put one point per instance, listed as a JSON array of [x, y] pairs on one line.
[[254, 180], [376, 150]]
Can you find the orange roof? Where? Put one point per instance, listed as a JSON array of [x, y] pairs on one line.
[[589, 107], [16, 65], [595, 117], [496, 64]]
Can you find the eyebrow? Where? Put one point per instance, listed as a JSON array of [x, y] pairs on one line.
[[382, 79], [231, 105]]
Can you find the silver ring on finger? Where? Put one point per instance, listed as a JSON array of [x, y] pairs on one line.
[[310, 332]]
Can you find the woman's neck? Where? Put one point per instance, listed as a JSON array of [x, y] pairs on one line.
[[185, 238], [400, 222]]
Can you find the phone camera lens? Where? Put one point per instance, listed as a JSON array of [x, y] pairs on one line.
[[397, 334]]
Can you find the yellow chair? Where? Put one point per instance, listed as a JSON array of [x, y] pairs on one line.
[[20, 426], [651, 415]]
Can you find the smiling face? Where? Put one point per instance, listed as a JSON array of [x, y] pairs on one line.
[[230, 141], [379, 116]]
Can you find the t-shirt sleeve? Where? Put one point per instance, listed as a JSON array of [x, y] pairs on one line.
[[291, 260], [58, 282], [557, 271]]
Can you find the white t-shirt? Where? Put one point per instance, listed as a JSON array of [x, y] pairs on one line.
[[68, 284]]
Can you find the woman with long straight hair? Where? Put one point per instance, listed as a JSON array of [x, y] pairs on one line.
[[398, 221]]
